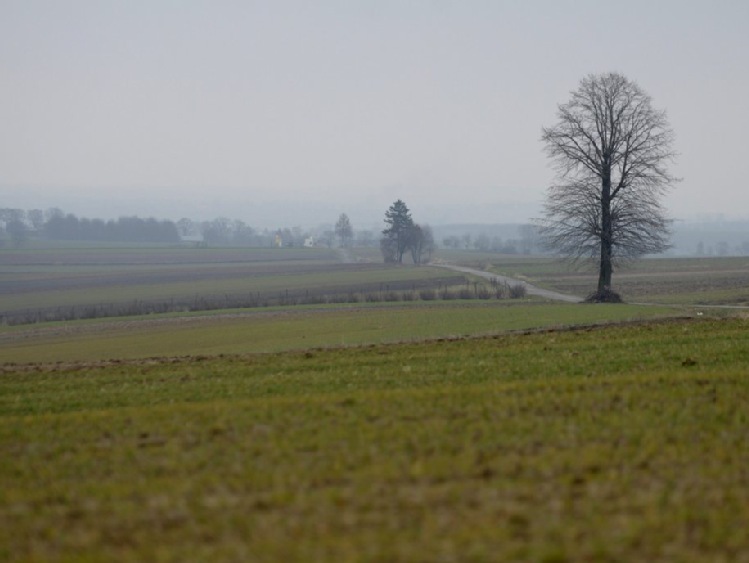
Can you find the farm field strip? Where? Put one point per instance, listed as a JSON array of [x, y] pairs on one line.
[[664, 280], [161, 255], [47, 278], [619, 443], [161, 284], [297, 328]]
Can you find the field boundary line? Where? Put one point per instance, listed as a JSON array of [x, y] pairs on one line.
[[693, 306]]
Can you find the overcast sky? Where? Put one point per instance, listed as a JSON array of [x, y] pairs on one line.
[[246, 108]]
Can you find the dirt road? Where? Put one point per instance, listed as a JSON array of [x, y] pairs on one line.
[[529, 288]]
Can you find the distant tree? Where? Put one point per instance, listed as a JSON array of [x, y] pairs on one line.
[[389, 250], [241, 233], [327, 238], [482, 242], [52, 213], [8, 216], [186, 227], [528, 238], [217, 232], [611, 150], [124, 229], [299, 235], [94, 229], [17, 231], [36, 218], [421, 243], [428, 244], [510, 246], [62, 227], [395, 240], [365, 238], [343, 230], [415, 242]]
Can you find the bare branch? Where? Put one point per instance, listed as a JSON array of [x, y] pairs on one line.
[[611, 149]]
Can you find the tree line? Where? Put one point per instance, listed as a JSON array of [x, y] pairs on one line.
[[528, 242], [19, 225], [53, 224], [124, 229]]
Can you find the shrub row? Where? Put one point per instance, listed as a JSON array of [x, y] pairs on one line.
[[285, 298]]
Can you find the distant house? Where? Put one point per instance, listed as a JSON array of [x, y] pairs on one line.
[[309, 242], [192, 240]]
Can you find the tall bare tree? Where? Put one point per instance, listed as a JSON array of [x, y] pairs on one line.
[[343, 230], [421, 243], [611, 149]]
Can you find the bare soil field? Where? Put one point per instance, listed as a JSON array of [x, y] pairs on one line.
[[668, 280], [60, 284], [68, 283], [102, 256], [174, 274]]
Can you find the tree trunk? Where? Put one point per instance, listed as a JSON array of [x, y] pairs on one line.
[[606, 266]]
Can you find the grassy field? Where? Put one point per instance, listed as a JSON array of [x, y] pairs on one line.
[[622, 443], [294, 328], [463, 430]]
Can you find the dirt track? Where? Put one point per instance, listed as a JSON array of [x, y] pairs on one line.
[[529, 288]]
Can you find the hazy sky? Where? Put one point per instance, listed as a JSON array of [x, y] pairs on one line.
[[245, 108]]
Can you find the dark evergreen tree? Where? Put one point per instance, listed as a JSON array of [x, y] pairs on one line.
[[397, 234]]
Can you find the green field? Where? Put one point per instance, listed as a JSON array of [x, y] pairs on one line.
[[276, 329], [425, 430], [611, 444]]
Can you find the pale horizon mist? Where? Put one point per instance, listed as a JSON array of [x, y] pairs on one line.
[[290, 113]]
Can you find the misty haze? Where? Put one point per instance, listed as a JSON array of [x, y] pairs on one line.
[[373, 280]]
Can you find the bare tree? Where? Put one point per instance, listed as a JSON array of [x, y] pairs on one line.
[[528, 238], [428, 246], [389, 249], [611, 149], [343, 230], [186, 227], [36, 218], [17, 231], [482, 242], [421, 243]]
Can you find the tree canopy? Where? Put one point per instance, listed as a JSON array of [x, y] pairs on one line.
[[396, 234], [402, 235], [611, 149]]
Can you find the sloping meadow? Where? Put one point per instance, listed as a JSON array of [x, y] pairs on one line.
[[618, 443]]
